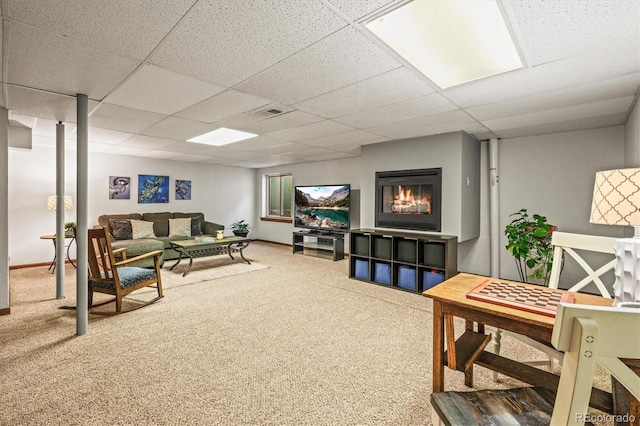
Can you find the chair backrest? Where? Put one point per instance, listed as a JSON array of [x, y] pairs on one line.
[[101, 258], [568, 243], [590, 334]]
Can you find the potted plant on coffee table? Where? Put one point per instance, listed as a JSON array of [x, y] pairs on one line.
[[529, 241], [240, 228]]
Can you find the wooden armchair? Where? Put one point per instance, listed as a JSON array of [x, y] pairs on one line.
[[587, 334], [106, 275]]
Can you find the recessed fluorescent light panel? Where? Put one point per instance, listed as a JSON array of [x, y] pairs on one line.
[[222, 136], [450, 41]]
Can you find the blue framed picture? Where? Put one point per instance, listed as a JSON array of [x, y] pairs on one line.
[[183, 189], [153, 189]]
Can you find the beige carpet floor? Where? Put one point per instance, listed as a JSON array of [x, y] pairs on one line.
[[288, 340]]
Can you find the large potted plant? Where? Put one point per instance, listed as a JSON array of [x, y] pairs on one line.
[[240, 228], [529, 241]]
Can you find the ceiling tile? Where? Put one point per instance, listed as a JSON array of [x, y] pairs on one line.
[[248, 37], [434, 124], [191, 158], [359, 8], [564, 126], [148, 142], [391, 87], [558, 75], [177, 128], [345, 139], [281, 122], [187, 148], [289, 148], [122, 118], [45, 105], [39, 59], [155, 89], [611, 106], [572, 27], [609, 89], [44, 127], [125, 150], [258, 143], [413, 108], [104, 26], [311, 131], [222, 105], [339, 60], [106, 136]]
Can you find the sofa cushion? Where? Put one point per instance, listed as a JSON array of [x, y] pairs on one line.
[[104, 219], [180, 227], [196, 226], [197, 221], [121, 229], [142, 229], [160, 222]]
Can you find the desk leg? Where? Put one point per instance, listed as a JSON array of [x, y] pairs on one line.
[[438, 347], [468, 372], [53, 262]]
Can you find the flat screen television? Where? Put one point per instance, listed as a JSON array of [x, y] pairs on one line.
[[322, 207]]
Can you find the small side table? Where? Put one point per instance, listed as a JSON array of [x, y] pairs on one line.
[[67, 236]]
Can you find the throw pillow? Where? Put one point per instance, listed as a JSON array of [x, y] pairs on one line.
[[180, 227], [142, 229], [121, 229], [196, 226]]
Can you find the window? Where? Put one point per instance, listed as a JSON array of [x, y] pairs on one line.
[[279, 196]]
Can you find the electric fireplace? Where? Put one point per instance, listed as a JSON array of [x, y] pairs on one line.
[[409, 199]]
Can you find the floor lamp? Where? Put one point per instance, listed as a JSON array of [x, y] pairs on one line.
[[616, 201]]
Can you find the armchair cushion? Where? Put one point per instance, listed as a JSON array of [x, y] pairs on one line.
[[129, 276]]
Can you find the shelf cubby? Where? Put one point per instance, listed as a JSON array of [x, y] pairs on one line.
[[403, 260]]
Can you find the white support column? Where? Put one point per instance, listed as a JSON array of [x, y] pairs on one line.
[[494, 236], [494, 208], [4, 207], [82, 308], [60, 240]]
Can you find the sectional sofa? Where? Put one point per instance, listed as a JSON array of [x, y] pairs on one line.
[[140, 233]]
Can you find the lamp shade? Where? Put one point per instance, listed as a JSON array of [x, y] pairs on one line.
[[52, 203], [616, 198]]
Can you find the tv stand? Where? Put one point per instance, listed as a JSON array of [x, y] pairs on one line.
[[319, 243]]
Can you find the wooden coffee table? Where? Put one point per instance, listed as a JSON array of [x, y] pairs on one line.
[[204, 248]]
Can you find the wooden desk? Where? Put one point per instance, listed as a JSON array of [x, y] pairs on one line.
[[450, 300]]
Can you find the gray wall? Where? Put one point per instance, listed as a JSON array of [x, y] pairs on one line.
[[345, 171], [457, 153], [553, 175]]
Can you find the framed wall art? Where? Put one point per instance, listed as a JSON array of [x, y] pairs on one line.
[[153, 189], [183, 189], [119, 187]]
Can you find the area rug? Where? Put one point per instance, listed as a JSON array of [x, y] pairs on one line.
[[205, 269]]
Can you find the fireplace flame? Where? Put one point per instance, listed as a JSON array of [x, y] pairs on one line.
[[405, 202]]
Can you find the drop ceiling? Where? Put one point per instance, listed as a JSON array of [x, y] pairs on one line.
[[160, 72]]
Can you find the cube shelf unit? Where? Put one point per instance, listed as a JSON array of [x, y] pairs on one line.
[[403, 260], [319, 244]]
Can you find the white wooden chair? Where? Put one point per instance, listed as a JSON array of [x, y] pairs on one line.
[[587, 334], [572, 245]]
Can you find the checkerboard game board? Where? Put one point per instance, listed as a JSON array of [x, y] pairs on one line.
[[539, 300]]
